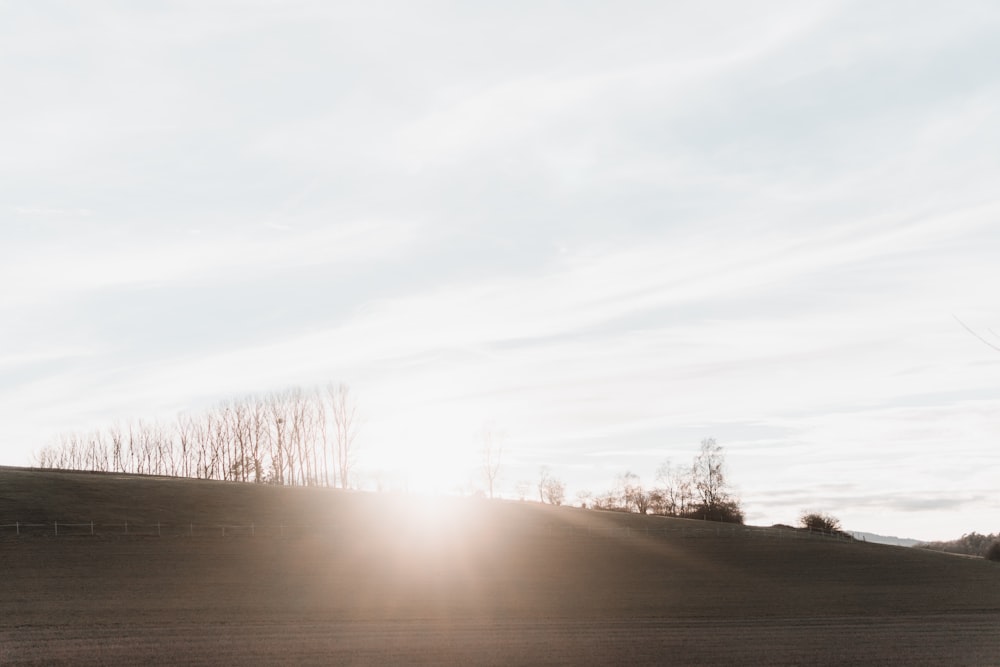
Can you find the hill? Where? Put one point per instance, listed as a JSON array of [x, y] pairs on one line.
[[227, 573]]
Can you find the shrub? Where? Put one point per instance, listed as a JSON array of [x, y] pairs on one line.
[[823, 523], [726, 512], [993, 553]]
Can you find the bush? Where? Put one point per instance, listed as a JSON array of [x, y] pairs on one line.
[[726, 512], [823, 523], [993, 553]]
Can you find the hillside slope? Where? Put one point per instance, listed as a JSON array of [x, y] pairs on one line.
[[242, 573]]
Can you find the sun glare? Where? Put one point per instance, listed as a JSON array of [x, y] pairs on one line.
[[429, 519], [422, 467]]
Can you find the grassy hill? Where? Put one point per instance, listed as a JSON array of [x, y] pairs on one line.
[[226, 573]]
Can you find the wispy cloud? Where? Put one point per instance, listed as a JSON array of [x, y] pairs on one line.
[[177, 258], [38, 211]]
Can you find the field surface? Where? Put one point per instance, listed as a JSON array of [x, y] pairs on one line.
[[212, 573]]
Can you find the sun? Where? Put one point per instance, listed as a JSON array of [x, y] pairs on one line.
[[422, 465]]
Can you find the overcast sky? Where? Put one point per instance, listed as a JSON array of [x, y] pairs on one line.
[[608, 229]]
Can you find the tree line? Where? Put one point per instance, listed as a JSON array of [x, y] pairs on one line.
[[700, 490], [294, 437], [970, 544]]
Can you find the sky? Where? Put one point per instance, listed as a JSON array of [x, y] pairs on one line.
[[604, 230]]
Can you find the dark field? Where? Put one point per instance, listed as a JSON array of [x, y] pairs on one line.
[[330, 577]]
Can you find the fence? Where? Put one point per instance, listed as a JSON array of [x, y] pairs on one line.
[[696, 529], [686, 530], [147, 529]]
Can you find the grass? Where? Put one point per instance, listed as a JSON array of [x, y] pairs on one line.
[[380, 579]]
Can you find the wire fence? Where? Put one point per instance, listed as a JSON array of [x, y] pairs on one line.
[[687, 530], [156, 529], [692, 529]]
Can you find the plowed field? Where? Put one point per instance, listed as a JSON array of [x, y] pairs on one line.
[[365, 579]]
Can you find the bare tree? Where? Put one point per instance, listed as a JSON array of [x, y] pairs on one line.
[[202, 437], [709, 476], [257, 428], [675, 489], [303, 437], [279, 437], [345, 424], [159, 448], [633, 496], [550, 489], [97, 450], [324, 440], [298, 459], [492, 453], [609, 500], [544, 475], [117, 458], [711, 486], [185, 437], [240, 432], [555, 491], [220, 443]]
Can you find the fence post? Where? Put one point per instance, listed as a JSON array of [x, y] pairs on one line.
[[91, 527], [57, 528], [17, 525]]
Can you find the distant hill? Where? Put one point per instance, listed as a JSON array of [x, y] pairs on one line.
[[875, 538]]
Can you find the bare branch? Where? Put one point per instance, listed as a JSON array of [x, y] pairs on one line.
[[976, 334]]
